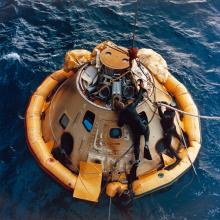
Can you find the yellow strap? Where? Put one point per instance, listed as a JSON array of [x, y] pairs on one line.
[[88, 185]]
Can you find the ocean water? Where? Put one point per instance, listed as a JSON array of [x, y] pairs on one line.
[[34, 36]]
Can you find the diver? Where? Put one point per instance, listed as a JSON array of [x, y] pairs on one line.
[[62, 152], [129, 116], [169, 130]]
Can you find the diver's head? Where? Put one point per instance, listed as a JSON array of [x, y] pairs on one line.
[[140, 82]]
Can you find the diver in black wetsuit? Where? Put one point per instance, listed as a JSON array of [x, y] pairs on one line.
[[62, 152], [128, 115], [169, 129]]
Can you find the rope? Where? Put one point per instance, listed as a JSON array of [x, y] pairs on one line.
[[194, 169], [184, 143], [185, 186], [135, 24], [109, 208], [187, 113], [153, 83], [122, 156], [166, 93], [153, 79], [155, 109], [175, 109]]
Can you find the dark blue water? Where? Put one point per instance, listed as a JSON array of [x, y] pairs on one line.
[[34, 36]]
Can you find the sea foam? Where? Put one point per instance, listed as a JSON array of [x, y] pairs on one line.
[[12, 56]]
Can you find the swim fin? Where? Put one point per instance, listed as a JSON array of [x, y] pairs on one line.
[[147, 154]]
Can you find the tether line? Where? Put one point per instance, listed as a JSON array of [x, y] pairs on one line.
[[184, 143], [109, 208], [190, 114], [135, 24]]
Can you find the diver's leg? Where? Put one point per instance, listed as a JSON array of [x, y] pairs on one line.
[[174, 153], [147, 154], [133, 174], [183, 138], [146, 134], [136, 147], [167, 142], [176, 135], [161, 164], [136, 144]]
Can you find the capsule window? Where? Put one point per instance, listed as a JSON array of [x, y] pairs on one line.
[[88, 120], [64, 121], [115, 133]]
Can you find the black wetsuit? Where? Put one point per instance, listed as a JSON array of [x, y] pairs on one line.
[[60, 155], [63, 152], [169, 129], [130, 117]]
